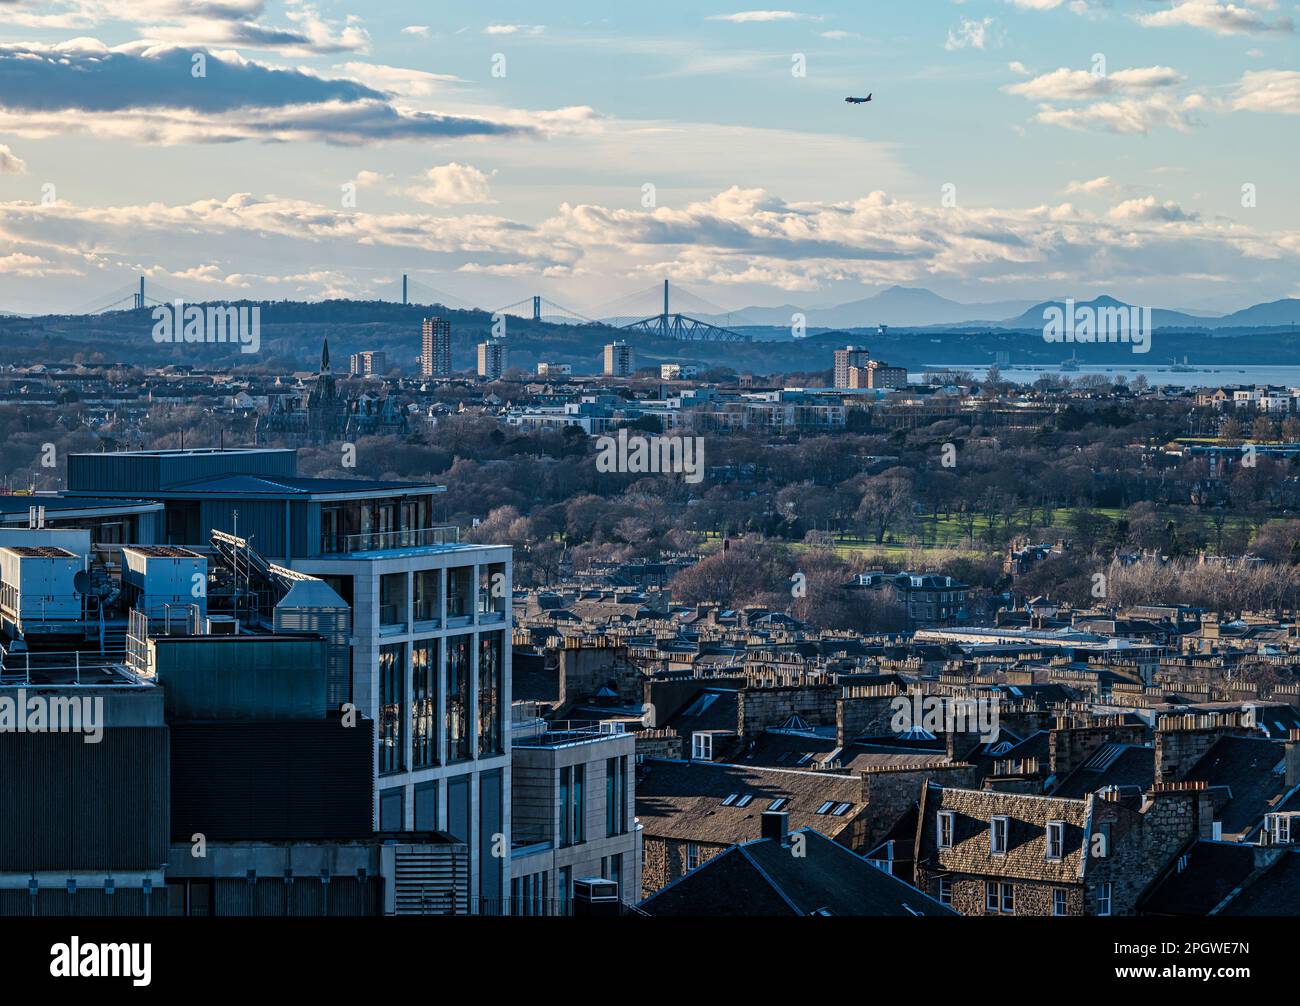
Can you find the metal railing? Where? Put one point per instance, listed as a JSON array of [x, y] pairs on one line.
[[381, 541], [41, 607], [540, 907], [525, 907], [48, 668]]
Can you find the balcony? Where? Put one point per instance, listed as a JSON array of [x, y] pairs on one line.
[[388, 541]]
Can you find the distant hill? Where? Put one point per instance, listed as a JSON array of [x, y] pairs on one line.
[[898, 305], [292, 332], [1275, 313], [1160, 318], [917, 307]]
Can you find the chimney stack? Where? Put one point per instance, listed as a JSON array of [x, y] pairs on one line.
[[1292, 768], [776, 825]]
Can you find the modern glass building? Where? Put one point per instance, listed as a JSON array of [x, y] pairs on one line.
[[430, 620]]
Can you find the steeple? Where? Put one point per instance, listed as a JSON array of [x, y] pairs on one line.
[[325, 355]]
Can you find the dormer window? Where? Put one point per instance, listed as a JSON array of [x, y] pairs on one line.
[[1280, 828], [947, 828], [998, 830], [702, 747], [1055, 839]]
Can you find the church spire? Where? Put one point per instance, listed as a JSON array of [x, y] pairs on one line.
[[325, 355]]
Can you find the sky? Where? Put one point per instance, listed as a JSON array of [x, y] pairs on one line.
[[1013, 149]]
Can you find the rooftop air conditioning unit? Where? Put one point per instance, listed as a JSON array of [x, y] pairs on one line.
[[223, 625]]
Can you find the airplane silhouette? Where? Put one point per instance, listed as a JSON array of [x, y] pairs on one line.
[[858, 101]]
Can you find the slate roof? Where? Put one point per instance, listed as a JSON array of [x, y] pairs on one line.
[[1110, 765], [775, 749], [1209, 872], [1244, 767], [1274, 892], [684, 800], [1026, 855], [1036, 745], [763, 878], [709, 709], [531, 680]]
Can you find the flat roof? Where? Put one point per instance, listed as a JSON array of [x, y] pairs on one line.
[[186, 452], [16, 503], [293, 485], [279, 487]]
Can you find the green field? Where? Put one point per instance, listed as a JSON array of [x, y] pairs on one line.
[[948, 534]]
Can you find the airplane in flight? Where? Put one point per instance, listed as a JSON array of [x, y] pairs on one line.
[[859, 101]]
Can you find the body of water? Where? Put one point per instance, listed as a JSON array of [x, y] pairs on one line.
[[1209, 376]]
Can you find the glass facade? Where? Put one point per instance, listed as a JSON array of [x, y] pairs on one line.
[[573, 805], [460, 596], [616, 796], [392, 599], [457, 700], [392, 688], [424, 703], [425, 595], [492, 592], [361, 526], [489, 693], [566, 816]]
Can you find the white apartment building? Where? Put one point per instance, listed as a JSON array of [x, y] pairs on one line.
[[431, 638]]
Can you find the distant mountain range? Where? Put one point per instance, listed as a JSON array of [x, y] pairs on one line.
[[916, 307]]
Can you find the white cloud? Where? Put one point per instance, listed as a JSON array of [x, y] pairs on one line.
[[1220, 18], [22, 264], [1076, 85], [1150, 210], [416, 29], [398, 80], [453, 185], [201, 23], [145, 92], [1268, 91], [1091, 186], [969, 33], [1134, 100], [11, 163], [1128, 115], [753, 16], [514, 29], [737, 237]]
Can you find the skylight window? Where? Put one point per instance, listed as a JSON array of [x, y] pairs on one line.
[[778, 803], [826, 806], [744, 801], [841, 809], [731, 798]]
